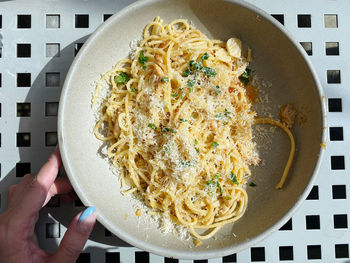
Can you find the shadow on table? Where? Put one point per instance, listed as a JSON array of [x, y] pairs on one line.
[[54, 211]]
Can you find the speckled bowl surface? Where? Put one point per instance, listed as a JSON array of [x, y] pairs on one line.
[[278, 59]]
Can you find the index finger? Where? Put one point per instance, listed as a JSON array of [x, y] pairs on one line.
[[36, 194]]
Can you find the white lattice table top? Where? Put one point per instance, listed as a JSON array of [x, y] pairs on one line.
[[39, 40]]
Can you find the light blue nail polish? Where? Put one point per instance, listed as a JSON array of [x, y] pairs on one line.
[[88, 211]]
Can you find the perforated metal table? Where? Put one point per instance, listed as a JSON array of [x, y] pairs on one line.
[[38, 41]]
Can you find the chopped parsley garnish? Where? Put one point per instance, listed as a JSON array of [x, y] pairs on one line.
[[142, 59], [228, 197], [165, 79], [217, 90], [187, 163], [244, 78], [133, 89], [195, 142], [252, 184], [209, 72], [174, 95], [152, 126], [191, 82], [194, 67], [166, 148], [182, 120], [211, 183], [215, 144], [226, 114], [197, 150], [219, 186], [204, 57], [186, 73], [122, 78], [194, 199], [165, 129], [234, 178]]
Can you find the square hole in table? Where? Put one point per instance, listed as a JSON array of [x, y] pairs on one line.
[[335, 105], [106, 16], [341, 250], [330, 21], [112, 257], [304, 20], [200, 261], [279, 18], [333, 76], [81, 21], [77, 47], [337, 162], [336, 133], [340, 221], [332, 48], [52, 230], [23, 50], [108, 233], [230, 258], [339, 191], [314, 252], [312, 222], [0, 21], [24, 80], [51, 109], [313, 195], [286, 253], [78, 203], [52, 49], [22, 169], [141, 257], [52, 79], [308, 47], [23, 109], [84, 258], [257, 254], [53, 21], [0, 109], [23, 139], [24, 21], [287, 226], [0, 80], [51, 139]]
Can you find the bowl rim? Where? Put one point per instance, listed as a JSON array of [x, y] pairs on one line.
[[165, 251]]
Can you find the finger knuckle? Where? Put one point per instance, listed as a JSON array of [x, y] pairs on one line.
[[71, 251]]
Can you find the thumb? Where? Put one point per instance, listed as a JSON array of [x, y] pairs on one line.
[[75, 237]]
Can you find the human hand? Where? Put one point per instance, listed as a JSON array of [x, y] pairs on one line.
[[18, 242]]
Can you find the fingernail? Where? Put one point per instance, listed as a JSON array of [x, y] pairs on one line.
[[87, 212]]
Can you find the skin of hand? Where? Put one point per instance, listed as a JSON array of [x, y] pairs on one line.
[[18, 242]]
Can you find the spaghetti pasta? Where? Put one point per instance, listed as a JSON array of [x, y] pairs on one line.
[[178, 123]]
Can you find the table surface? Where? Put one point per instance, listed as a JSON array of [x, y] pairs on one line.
[[39, 40]]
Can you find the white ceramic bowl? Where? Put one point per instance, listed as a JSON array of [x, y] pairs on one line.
[[277, 57]]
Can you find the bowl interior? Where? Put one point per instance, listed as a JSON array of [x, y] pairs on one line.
[[275, 58]]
